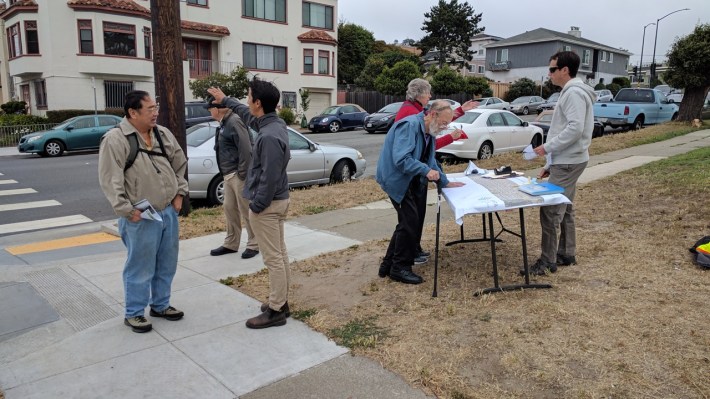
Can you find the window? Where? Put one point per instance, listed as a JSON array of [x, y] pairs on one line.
[[603, 56], [296, 142], [32, 37], [502, 55], [611, 57], [115, 92], [307, 61], [511, 120], [119, 39], [147, 42], [481, 69], [107, 121], [323, 63], [14, 42], [289, 99], [317, 15], [41, 94], [84, 123], [272, 10], [270, 58], [585, 57], [86, 37], [197, 2], [481, 52], [568, 48], [495, 120]]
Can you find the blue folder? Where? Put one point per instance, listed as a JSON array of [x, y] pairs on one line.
[[543, 188]]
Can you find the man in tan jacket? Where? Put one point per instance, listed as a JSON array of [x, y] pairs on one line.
[[157, 176]]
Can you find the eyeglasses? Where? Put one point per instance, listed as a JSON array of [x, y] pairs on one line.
[[154, 110], [555, 68]]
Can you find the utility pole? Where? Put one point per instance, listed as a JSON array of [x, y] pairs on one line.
[[167, 70]]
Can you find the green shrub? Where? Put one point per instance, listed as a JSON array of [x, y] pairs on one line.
[[614, 88], [14, 107], [21, 119], [64, 114], [287, 115]]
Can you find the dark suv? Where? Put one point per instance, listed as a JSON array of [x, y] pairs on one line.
[[195, 112]]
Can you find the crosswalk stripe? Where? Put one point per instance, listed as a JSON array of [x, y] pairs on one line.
[[17, 191], [8, 181], [29, 205], [43, 224]]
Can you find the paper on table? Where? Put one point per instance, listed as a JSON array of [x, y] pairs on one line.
[[147, 210], [529, 153], [474, 170]]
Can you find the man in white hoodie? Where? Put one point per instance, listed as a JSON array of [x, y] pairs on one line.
[[567, 144]]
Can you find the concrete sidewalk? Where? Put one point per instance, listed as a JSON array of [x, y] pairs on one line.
[[62, 332]]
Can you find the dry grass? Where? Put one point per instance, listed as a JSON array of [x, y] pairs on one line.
[[630, 320]]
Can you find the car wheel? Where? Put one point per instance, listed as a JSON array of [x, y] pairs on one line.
[[341, 172], [215, 192], [536, 141], [54, 148], [638, 123], [370, 131], [526, 111], [486, 150], [334, 126], [539, 111]]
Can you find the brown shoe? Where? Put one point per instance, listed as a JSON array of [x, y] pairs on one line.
[[270, 318], [284, 308]]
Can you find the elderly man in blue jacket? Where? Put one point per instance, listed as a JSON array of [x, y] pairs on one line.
[[407, 164]]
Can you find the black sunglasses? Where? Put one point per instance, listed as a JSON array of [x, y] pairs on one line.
[[554, 68]]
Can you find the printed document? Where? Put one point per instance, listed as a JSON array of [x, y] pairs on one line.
[[147, 210]]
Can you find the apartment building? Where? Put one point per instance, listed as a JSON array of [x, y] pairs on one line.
[[72, 54]]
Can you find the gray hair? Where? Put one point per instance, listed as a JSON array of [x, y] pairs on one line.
[[439, 105], [416, 88]]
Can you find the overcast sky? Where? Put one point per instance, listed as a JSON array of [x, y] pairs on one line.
[[615, 23]]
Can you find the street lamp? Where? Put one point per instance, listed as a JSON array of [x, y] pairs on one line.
[[643, 41], [653, 65]]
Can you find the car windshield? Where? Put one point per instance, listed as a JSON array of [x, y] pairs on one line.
[[330, 111], [66, 123], [198, 134], [468, 117], [521, 100], [545, 118], [554, 97], [390, 108]]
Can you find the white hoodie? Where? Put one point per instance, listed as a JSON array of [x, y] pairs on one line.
[[572, 125]]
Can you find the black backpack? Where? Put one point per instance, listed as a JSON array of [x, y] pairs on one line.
[[135, 149]]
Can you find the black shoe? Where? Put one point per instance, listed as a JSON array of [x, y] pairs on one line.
[[170, 313], [423, 253], [284, 308], [540, 268], [249, 253], [405, 276], [221, 251], [270, 318], [384, 270], [421, 260], [563, 260]]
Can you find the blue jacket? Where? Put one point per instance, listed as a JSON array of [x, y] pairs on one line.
[[399, 160]]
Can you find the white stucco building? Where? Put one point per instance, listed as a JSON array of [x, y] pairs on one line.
[[56, 51]]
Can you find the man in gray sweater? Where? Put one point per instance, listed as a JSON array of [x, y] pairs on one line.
[[567, 151], [267, 189]]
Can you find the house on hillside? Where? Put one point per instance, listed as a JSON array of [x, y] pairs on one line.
[[528, 55], [57, 51], [477, 65]]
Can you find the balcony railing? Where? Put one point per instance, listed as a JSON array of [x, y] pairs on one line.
[[201, 68], [499, 66]]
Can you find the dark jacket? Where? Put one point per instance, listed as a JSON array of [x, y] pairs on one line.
[[267, 179], [233, 146]]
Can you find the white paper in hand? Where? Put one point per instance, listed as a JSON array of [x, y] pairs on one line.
[[147, 211], [529, 153]]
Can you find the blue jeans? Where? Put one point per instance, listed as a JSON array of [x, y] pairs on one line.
[[151, 262]]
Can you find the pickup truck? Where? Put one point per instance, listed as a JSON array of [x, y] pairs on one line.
[[633, 108]]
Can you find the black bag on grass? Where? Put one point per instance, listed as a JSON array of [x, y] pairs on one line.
[[701, 252]]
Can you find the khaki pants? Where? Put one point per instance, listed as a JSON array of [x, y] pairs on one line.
[[269, 228], [234, 207], [558, 220]]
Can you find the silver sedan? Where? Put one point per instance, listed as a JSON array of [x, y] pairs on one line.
[[311, 163]]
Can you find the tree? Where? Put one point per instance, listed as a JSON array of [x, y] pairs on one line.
[[236, 84], [447, 81], [689, 69], [355, 45], [548, 88], [613, 88], [477, 86], [394, 80], [450, 27], [522, 87], [408, 42], [622, 81], [377, 62]]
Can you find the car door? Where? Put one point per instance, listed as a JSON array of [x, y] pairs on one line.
[[305, 165], [665, 110], [82, 133], [106, 123], [520, 136], [347, 115], [498, 131]]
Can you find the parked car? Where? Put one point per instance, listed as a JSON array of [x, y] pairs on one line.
[[490, 131], [550, 103], [676, 98], [311, 163], [382, 120], [343, 116], [454, 104], [492, 103], [523, 105], [544, 120], [604, 96], [666, 90], [195, 112], [78, 133], [633, 108]]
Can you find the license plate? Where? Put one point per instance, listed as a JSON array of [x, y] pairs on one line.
[[369, 125]]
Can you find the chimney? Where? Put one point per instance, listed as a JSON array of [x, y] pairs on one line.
[[574, 31]]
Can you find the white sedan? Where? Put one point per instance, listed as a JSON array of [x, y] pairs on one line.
[[311, 163], [490, 131], [492, 103]]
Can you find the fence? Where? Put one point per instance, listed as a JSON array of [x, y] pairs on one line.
[[10, 135]]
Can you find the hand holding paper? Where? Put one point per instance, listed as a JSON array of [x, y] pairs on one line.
[[529, 153], [147, 211]]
